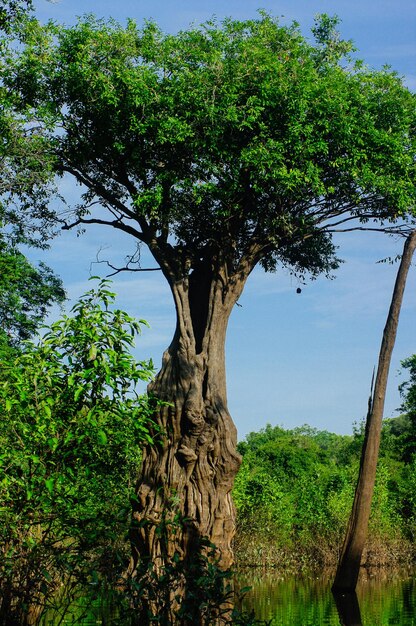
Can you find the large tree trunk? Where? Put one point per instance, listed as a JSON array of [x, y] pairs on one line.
[[350, 559], [196, 462]]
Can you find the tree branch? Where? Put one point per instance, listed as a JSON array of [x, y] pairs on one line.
[[120, 225], [133, 258], [403, 231], [102, 192]]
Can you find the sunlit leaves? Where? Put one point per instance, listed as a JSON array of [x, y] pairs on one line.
[[73, 425], [221, 135], [295, 490], [11, 11]]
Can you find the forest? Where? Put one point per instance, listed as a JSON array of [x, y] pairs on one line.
[[295, 489], [229, 147], [71, 436]]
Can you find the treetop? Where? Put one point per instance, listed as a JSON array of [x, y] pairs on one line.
[[240, 139]]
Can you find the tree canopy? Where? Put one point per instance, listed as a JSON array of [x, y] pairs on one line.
[[26, 293], [242, 139], [12, 11]]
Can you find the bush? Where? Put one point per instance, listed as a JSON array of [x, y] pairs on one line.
[[73, 424]]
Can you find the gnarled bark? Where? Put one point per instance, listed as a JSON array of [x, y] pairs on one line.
[[196, 461]]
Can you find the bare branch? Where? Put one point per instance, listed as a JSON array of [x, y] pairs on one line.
[[132, 259], [402, 231], [118, 270]]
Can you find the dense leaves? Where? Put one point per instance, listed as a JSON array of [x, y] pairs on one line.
[[73, 424], [295, 489], [26, 180], [235, 139], [11, 11], [408, 391], [26, 293], [26, 173]]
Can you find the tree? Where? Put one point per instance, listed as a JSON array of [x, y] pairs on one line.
[[26, 293], [11, 11], [408, 392], [73, 424], [219, 148], [26, 171], [350, 559], [26, 180]]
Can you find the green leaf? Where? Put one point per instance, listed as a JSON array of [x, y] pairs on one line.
[[78, 392], [92, 355], [50, 483], [102, 437]]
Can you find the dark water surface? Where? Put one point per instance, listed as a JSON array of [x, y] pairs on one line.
[[382, 599]]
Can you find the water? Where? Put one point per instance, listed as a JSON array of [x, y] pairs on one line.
[[382, 599]]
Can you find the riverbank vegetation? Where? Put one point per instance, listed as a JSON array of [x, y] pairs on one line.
[[73, 428], [295, 489]]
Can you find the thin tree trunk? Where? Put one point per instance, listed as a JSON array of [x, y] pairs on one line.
[[350, 559], [186, 481]]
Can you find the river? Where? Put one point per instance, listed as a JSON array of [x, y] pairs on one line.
[[382, 599]]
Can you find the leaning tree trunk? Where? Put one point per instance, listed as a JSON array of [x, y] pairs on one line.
[[350, 559], [195, 464]]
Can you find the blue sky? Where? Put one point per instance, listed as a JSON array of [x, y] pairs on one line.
[[291, 359]]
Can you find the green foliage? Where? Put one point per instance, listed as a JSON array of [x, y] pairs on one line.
[[12, 11], [26, 170], [408, 391], [295, 489], [73, 424], [26, 293], [241, 139], [330, 46]]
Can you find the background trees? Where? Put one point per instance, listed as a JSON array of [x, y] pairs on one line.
[[407, 428], [26, 293], [295, 490]]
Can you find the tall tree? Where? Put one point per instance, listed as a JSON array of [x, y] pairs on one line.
[[350, 560], [219, 148]]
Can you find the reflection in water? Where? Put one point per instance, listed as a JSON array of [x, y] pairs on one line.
[[348, 608], [304, 600], [381, 600]]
